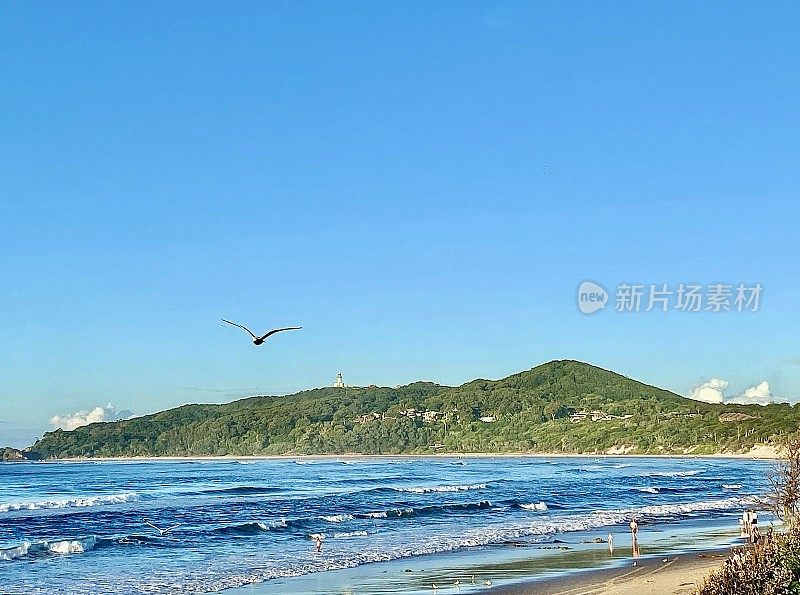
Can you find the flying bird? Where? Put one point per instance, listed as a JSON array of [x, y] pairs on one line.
[[262, 338], [162, 531]]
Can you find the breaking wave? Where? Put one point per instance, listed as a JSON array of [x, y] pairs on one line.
[[253, 527], [540, 506], [429, 489], [425, 510], [672, 473], [72, 546], [55, 546], [81, 502], [337, 518]]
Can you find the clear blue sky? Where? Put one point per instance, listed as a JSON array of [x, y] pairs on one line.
[[422, 187]]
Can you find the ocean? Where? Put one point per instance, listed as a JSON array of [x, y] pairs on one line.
[[388, 525]]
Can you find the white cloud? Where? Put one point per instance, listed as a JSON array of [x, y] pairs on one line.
[[755, 395], [83, 418], [712, 391]]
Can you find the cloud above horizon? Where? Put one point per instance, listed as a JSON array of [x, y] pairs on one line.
[[713, 391], [755, 395], [83, 418]]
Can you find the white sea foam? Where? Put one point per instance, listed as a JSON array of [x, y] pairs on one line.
[[337, 518], [72, 546], [732, 503], [603, 518], [731, 486], [488, 535], [672, 473], [348, 534], [534, 506], [456, 488], [12, 553], [70, 502], [649, 490], [376, 515]]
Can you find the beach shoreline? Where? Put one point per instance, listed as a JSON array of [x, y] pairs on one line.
[[757, 453], [571, 570], [671, 574]]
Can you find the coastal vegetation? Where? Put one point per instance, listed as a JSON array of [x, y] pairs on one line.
[[562, 406], [771, 566], [12, 454]]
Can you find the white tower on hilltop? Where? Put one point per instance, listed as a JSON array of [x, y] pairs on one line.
[[339, 382]]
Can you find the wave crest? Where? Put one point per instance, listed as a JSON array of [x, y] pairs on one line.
[[81, 502], [534, 506], [447, 488]]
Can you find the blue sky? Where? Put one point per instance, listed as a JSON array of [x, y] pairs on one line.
[[421, 187]]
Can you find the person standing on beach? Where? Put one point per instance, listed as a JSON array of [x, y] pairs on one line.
[[634, 541], [318, 542], [610, 543]]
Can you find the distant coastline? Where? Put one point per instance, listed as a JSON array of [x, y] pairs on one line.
[[563, 407], [759, 453]]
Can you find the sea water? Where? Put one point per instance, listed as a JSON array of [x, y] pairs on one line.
[[79, 527]]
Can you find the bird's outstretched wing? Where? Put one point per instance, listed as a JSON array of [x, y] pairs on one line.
[[280, 330], [240, 326], [168, 529], [146, 522]]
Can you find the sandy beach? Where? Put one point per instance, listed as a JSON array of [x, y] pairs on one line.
[[680, 574]]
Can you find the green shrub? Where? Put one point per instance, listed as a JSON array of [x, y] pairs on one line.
[[771, 567]]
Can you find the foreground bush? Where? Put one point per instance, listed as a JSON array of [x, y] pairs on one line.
[[772, 567]]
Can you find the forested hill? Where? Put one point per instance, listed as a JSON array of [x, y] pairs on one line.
[[560, 406]]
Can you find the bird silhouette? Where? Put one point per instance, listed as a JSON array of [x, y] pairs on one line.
[[161, 531], [259, 340]]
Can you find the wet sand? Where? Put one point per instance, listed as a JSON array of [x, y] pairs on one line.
[[680, 574]]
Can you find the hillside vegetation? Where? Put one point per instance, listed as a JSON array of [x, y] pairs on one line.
[[561, 406], [8, 453]]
